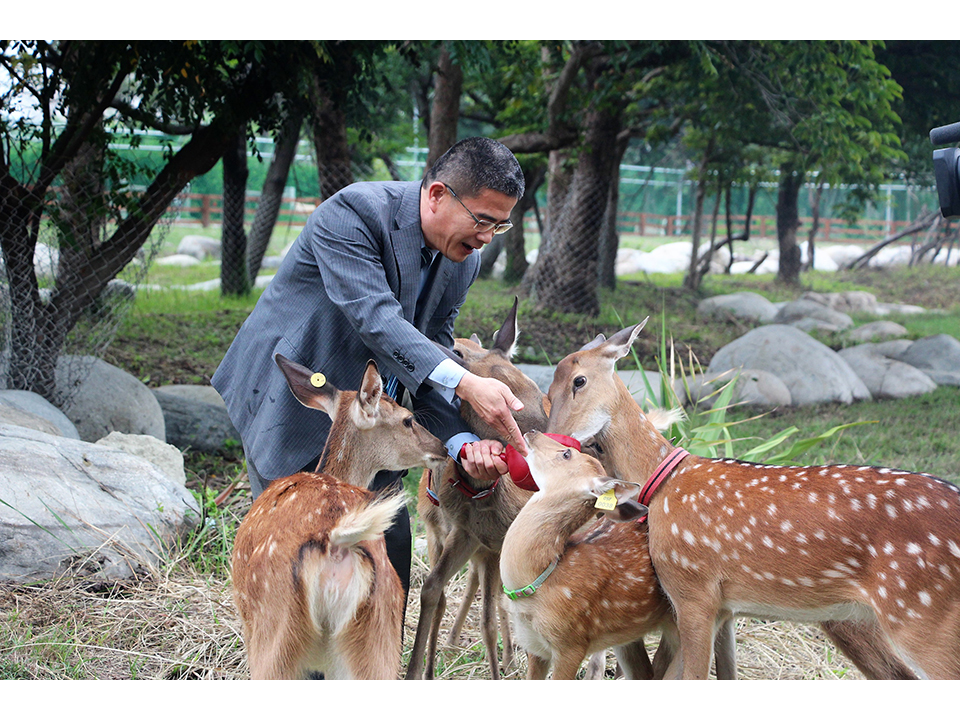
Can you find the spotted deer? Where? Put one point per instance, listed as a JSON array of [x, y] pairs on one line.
[[465, 518], [575, 592], [872, 554], [312, 581]]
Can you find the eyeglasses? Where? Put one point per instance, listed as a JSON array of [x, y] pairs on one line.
[[482, 225]]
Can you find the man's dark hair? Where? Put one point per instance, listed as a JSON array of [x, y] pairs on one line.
[[476, 164]]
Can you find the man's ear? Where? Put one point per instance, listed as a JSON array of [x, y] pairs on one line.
[[617, 500]]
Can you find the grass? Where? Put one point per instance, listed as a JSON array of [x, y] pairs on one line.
[[178, 621]]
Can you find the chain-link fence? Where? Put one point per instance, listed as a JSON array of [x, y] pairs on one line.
[[69, 313]]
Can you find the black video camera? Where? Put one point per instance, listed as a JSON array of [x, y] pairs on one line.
[[946, 168]]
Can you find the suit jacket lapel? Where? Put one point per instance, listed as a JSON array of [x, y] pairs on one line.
[[406, 239], [434, 290]]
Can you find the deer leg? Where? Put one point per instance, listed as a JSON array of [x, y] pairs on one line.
[[431, 656], [567, 664], [596, 666], [696, 623], [537, 667], [457, 549], [506, 634], [634, 661], [490, 594], [473, 584], [725, 650], [867, 646]]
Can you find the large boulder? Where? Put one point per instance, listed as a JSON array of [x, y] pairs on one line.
[[166, 457], [72, 507], [752, 387], [938, 356], [38, 406], [851, 301], [196, 418], [746, 305], [883, 376], [805, 308], [103, 398], [811, 371], [879, 330], [199, 246]]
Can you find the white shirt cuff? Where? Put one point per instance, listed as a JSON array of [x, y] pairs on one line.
[[458, 441], [445, 378]]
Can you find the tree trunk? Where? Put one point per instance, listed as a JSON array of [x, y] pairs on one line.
[[445, 111], [38, 330], [513, 242], [234, 279], [329, 127], [788, 220], [271, 196], [692, 279], [609, 235], [565, 275], [815, 196]]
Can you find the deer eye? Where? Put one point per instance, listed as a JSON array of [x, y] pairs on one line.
[[579, 381], [408, 422], [457, 353], [567, 454]]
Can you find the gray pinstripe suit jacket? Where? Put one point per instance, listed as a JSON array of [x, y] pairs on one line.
[[346, 291]]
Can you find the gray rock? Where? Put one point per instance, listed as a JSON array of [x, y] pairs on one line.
[[104, 398], [878, 330], [164, 456], [200, 393], [851, 301], [806, 308], [195, 424], [938, 356], [812, 324], [811, 371], [199, 246], [13, 416], [71, 507], [542, 375], [39, 406], [885, 377], [747, 305], [753, 387], [178, 260], [899, 309]]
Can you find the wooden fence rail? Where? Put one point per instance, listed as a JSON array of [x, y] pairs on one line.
[[206, 210]]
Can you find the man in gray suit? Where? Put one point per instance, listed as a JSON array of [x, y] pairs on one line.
[[354, 286]]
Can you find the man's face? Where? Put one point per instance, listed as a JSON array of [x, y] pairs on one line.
[[448, 226]]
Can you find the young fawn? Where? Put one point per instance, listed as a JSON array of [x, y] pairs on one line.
[[467, 519], [872, 554], [312, 581]]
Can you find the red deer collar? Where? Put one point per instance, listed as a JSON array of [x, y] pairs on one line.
[[667, 466]]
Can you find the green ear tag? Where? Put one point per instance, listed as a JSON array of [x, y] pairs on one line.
[[318, 380], [607, 501]]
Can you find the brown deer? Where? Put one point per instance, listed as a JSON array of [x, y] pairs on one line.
[[466, 519], [576, 593], [872, 554], [312, 581]]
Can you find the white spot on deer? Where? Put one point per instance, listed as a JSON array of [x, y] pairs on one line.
[[888, 548], [771, 509], [882, 592], [689, 538], [674, 530], [665, 506], [786, 526], [891, 511], [812, 497], [871, 501], [913, 548]]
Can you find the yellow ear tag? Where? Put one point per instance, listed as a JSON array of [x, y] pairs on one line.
[[607, 501], [318, 380]]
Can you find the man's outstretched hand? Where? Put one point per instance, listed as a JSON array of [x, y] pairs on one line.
[[494, 402]]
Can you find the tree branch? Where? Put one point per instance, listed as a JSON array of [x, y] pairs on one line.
[[151, 121]]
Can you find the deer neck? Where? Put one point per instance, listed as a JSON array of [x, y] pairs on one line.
[[344, 458], [629, 446], [538, 536]]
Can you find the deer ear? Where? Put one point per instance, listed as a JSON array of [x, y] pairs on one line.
[[505, 339], [310, 388], [476, 339], [619, 345], [596, 342], [617, 500], [371, 388]]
